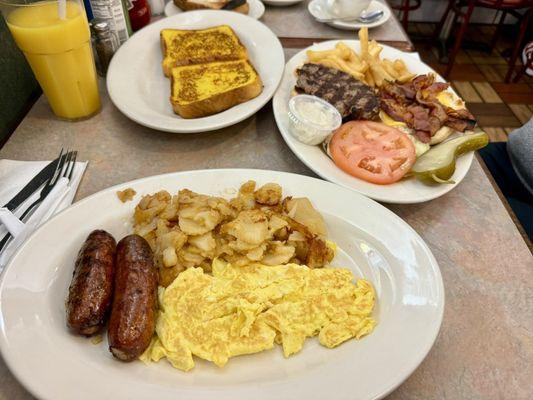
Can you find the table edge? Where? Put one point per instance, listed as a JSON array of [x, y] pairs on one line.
[[298, 43]]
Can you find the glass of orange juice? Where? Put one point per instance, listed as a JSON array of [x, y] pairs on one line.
[[55, 38]]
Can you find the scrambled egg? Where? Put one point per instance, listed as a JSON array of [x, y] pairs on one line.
[[244, 310]]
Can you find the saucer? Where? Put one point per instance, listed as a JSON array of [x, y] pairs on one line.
[[318, 9]]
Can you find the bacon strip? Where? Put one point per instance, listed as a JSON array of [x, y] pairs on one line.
[[416, 104]]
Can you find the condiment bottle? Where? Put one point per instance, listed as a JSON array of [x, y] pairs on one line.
[[139, 14], [106, 45], [115, 13]]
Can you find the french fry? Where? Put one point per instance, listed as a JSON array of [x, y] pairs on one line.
[[363, 39], [374, 49], [329, 62], [343, 51], [344, 66], [368, 66], [388, 66], [406, 77], [376, 77], [383, 74], [347, 53], [369, 79], [354, 58], [356, 74], [399, 66], [360, 67], [313, 55]]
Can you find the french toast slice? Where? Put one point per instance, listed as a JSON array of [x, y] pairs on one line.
[[185, 47], [189, 5], [205, 89]]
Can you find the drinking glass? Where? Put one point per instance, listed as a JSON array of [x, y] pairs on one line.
[[55, 39]]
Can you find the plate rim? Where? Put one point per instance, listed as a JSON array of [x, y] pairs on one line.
[[213, 126], [433, 265], [449, 187]]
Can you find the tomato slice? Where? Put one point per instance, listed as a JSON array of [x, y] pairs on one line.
[[372, 151]]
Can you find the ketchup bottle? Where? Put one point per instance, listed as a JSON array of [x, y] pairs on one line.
[[139, 14]]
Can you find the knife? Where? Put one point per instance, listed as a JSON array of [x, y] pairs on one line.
[[232, 4], [32, 186]]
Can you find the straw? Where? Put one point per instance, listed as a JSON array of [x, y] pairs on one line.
[[62, 9]]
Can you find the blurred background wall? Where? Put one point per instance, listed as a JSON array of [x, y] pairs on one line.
[[432, 11], [18, 87]]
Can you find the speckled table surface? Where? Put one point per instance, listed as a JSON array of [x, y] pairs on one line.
[[304, 27], [485, 346]]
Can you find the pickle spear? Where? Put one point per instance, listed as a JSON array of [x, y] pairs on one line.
[[438, 163]]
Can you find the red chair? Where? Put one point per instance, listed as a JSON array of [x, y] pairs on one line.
[[528, 65], [404, 6], [506, 6]]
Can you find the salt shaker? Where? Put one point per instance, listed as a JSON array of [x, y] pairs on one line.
[[157, 6]]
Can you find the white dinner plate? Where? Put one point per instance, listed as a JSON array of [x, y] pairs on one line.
[[319, 9], [376, 244], [138, 88], [257, 9], [281, 3], [406, 191]]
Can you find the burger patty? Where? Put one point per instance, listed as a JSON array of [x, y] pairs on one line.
[[352, 98]]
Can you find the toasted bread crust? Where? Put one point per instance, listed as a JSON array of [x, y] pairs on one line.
[[218, 102], [244, 9], [186, 5], [167, 67], [164, 52], [167, 70]]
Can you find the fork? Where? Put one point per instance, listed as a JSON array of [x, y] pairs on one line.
[[64, 169], [68, 161]]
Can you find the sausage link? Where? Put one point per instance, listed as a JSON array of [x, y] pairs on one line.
[[133, 314], [91, 289]]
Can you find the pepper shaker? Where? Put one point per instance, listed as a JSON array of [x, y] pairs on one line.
[[93, 45], [106, 45]]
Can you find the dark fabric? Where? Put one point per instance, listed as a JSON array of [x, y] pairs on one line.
[[519, 198], [504, 3], [520, 149], [18, 87]]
